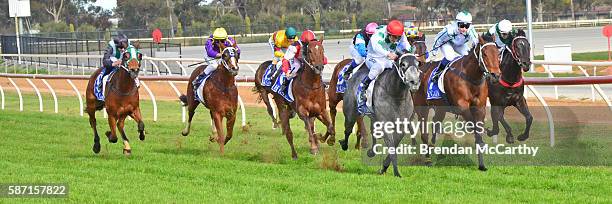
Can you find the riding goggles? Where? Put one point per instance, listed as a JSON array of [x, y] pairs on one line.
[[464, 25]]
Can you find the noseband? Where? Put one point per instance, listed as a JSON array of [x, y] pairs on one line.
[[481, 63], [232, 53]]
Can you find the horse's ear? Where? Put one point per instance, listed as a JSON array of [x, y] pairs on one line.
[[521, 32], [322, 38], [136, 44], [481, 40]]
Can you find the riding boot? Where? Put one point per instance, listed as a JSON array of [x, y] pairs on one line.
[[349, 70], [361, 94], [197, 80], [441, 68], [284, 86]]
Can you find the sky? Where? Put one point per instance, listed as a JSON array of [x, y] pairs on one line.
[[106, 4]]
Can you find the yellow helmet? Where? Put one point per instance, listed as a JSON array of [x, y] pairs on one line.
[[412, 32], [220, 34]]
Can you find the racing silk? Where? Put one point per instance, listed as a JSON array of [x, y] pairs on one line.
[[361, 41], [212, 49], [494, 30], [293, 52], [381, 46], [279, 41], [111, 54], [450, 34]]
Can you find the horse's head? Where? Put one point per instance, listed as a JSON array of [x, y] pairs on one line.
[[407, 69], [521, 50], [132, 59], [488, 56], [229, 58], [420, 47], [314, 55]]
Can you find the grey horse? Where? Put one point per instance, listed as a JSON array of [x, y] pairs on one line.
[[391, 98]]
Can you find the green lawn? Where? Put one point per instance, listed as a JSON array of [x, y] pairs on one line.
[[169, 168], [587, 56]]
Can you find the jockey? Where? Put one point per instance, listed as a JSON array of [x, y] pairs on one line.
[[112, 54], [453, 39], [358, 49], [279, 42], [213, 51], [386, 43], [292, 59], [502, 32]]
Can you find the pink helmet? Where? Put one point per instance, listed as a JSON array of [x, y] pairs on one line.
[[371, 28]]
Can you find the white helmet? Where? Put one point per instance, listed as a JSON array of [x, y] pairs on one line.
[[464, 17], [504, 26]]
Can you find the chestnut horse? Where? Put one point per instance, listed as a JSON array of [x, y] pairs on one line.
[[309, 93], [220, 95], [121, 100], [465, 88], [509, 91]]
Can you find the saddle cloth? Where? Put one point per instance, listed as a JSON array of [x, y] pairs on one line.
[[288, 93]]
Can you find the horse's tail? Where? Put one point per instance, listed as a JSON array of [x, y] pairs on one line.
[[183, 99], [256, 90]]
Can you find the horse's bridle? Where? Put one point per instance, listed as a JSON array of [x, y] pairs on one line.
[[396, 65], [513, 47], [481, 64], [307, 57], [420, 42], [232, 53]]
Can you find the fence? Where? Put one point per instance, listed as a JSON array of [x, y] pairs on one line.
[[158, 64]]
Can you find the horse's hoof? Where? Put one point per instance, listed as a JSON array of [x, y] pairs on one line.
[[371, 153], [343, 144], [397, 175], [319, 137], [185, 133], [510, 139], [96, 148], [275, 125], [482, 168], [294, 157], [491, 133], [357, 146], [127, 152], [111, 138], [381, 172], [314, 151], [331, 140], [414, 142], [523, 137], [428, 162], [212, 139], [141, 136]]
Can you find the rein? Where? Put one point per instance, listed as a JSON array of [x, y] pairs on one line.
[[113, 86]]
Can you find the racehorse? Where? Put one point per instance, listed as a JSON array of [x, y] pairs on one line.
[[465, 88], [509, 91], [334, 98], [121, 99], [220, 95], [309, 93], [391, 101]]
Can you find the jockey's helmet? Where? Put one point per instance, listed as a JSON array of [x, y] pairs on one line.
[[371, 28], [464, 17], [290, 32], [121, 41], [307, 36], [220, 34], [412, 31], [395, 28], [504, 26]]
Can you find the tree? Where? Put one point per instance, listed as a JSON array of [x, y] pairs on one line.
[[53, 8], [135, 14], [247, 24]]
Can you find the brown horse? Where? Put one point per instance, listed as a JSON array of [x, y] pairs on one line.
[[220, 94], [465, 88], [121, 100], [309, 93]]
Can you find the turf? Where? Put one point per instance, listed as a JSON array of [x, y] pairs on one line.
[[169, 168]]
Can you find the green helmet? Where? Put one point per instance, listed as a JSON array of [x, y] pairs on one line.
[[290, 32]]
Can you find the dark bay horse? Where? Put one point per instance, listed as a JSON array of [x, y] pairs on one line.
[[121, 100], [309, 93], [391, 100], [220, 95], [510, 88], [334, 98], [465, 88]]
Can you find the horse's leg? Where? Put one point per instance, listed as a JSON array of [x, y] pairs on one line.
[[266, 100], [477, 115], [112, 123], [127, 150], [496, 112], [438, 117], [330, 135], [191, 107], [333, 103], [231, 119], [284, 116], [422, 113], [509, 136], [308, 125], [218, 122], [524, 109], [349, 122], [361, 134], [91, 111], [141, 127]]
